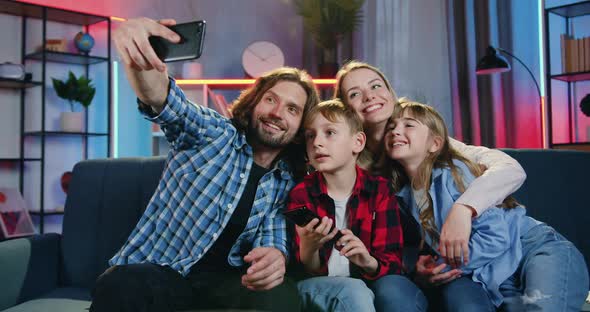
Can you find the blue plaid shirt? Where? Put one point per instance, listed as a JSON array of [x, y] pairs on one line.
[[206, 172]]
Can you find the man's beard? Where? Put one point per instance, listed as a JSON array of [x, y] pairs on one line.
[[267, 139]]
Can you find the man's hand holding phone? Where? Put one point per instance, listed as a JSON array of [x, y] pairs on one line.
[[131, 39]]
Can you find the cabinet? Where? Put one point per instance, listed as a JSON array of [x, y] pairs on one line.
[[568, 127], [43, 151]]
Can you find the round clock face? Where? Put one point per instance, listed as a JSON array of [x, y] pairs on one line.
[[260, 57]]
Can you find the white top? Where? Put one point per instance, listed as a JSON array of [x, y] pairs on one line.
[[503, 176], [338, 265]]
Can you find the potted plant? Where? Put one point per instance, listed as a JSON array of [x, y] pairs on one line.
[[74, 90], [328, 21]]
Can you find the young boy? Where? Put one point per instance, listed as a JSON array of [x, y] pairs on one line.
[[363, 264]]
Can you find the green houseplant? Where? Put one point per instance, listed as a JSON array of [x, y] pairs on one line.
[[328, 21], [74, 90]]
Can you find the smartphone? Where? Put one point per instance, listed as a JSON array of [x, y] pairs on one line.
[[192, 37], [302, 216]]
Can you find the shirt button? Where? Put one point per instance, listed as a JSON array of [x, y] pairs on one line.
[[229, 206], [242, 175], [200, 256], [214, 235]]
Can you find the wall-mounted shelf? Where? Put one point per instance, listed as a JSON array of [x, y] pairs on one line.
[[19, 159], [7, 83], [66, 58], [58, 133], [572, 77]]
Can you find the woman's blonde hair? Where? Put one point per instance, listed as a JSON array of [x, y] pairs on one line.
[[351, 66], [443, 158]]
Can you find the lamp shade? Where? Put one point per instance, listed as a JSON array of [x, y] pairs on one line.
[[492, 63]]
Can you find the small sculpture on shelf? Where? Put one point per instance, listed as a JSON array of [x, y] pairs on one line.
[[74, 89], [84, 42]]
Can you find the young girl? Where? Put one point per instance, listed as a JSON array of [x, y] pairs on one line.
[[429, 175]]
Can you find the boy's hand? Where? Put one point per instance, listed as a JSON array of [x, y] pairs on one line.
[[315, 234], [356, 252]]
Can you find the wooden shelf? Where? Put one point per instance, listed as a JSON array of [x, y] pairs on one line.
[[63, 133], [53, 14], [572, 77], [8, 83], [66, 58]]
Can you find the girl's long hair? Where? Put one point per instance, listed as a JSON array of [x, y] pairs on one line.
[[443, 158]]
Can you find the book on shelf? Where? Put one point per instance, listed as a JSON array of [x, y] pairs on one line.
[[575, 54]]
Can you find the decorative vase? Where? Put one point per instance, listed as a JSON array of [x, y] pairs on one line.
[[72, 122], [84, 42]]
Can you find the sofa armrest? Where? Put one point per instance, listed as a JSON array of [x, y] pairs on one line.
[[29, 267]]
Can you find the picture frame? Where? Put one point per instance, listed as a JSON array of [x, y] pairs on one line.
[[15, 220]]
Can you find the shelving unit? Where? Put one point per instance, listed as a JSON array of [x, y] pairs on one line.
[[565, 132], [40, 134]]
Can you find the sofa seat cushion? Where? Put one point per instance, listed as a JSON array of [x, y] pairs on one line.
[[51, 304], [68, 293]]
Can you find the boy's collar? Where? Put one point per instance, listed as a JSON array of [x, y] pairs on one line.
[[318, 184]]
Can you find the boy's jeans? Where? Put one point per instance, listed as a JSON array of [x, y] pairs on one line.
[[331, 293]]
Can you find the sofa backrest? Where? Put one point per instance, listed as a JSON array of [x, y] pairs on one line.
[[555, 191], [106, 198]]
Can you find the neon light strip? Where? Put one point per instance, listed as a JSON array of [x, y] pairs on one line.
[[117, 19], [238, 82], [115, 109], [542, 72]]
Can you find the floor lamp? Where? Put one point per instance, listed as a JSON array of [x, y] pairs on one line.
[[493, 63]]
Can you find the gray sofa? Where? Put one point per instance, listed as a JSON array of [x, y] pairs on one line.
[[54, 272]]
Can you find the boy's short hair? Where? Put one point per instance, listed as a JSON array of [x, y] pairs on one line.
[[334, 109]]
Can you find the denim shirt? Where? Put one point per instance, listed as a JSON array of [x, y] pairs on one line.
[[495, 248], [206, 172]]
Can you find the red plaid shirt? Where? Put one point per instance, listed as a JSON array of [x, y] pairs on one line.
[[373, 216]]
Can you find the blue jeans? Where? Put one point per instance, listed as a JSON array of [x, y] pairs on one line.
[[397, 293], [334, 293], [389, 293], [461, 295], [552, 275]]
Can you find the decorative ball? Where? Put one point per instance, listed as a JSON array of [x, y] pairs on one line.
[[585, 105], [84, 42], [65, 181]]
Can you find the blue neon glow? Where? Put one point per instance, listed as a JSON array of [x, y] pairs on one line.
[[115, 109], [541, 49]]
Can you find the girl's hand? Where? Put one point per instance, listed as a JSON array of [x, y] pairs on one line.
[[315, 234], [428, 274], [454, 237], [356, 252]]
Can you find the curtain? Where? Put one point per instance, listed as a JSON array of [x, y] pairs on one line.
[[500, 110]]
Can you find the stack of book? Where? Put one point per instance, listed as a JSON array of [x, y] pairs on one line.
[[575, 54]]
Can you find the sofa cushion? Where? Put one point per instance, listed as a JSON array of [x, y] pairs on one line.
[[51, 304], [555, 191], [105, 201]]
